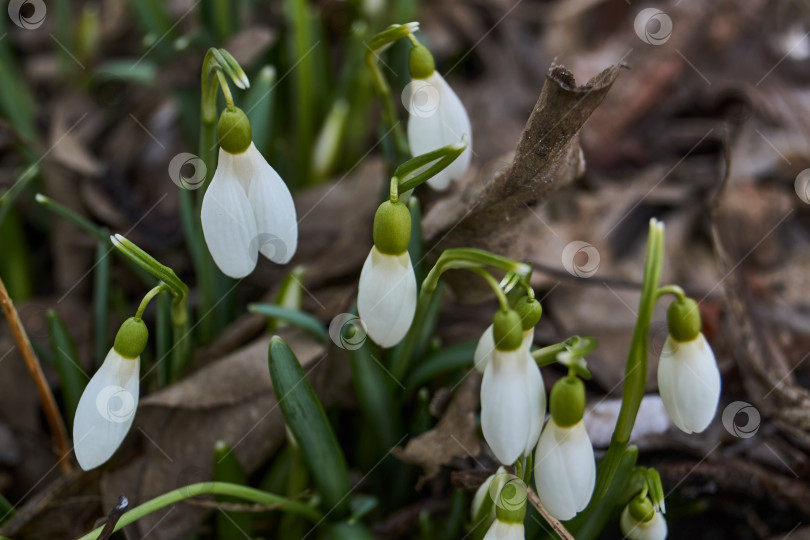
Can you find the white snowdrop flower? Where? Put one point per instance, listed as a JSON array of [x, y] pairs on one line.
[[512, 393], [529, 310], [688, 377], [247, 209], [564, 464], [640, 521], [510, 511], [436, 118], [386, 295], [108, 403]]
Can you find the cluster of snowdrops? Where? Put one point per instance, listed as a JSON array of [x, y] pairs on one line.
[[247, 210]]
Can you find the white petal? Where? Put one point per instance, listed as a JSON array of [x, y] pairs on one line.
[[689, 383], [386, 297], [564, 469], [508, 409], [438, 119], [483, 351], [106, 410], [536, 396], [501, 530], [273, 209], [655, 529], [227, 217]]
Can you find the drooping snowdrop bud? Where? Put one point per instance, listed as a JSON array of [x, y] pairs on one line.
[[640, 521], [486, 493], [247, 209], [107, 406], [529, 310], [564, 465], [437, 117], [688, 378], [386, 296], [510, 511], [512, 393]]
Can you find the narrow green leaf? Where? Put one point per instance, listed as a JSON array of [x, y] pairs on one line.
[[375, 389], [454, 357], [415, 245], [307, 420], [101, 298], [72, 377], [295, 317], [8, 198], [260, 107], [230, 525], [7, 510]]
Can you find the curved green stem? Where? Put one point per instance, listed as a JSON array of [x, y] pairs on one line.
[[502, 300], [670, 289], [226, 89], [148, 298], [635, 377], [394, 195], [214, 488]]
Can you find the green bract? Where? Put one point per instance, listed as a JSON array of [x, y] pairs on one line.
[[392, 228], [641, 508], [683, 319], [130, 341], [233, 131], [530, 311], [567, 401], [421, 62], [507, 330]]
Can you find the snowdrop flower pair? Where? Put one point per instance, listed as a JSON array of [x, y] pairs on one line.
[[640, 520], [247, 209], [510, 511], [436, 118], [564, 464], [688, 378], [107, 406], [386, 295], [512, 393]]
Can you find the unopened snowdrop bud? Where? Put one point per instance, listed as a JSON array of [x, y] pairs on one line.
[[492, 485], [529, 311], [386, 295], [510, 511], [688, 377], [437, 117], [512, 393], [640, 521], [247, 209], [107, 406], [564, 465]]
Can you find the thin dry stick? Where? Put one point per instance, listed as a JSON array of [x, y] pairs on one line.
[[558, 527], [58, 430]]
